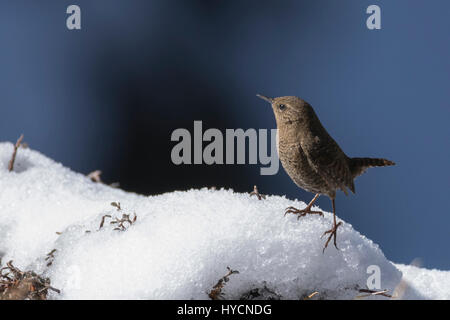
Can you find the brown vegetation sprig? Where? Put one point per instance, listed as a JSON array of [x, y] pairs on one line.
[[20, 285], [256, 193], [103, 220], [310, 296], [50, 257], [369, 293], [122, 223], [13, 156], [216, 291]]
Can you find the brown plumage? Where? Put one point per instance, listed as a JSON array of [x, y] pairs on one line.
[[311, 157]]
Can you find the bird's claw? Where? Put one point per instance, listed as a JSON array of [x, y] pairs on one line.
[[302, 212], [332, 233]]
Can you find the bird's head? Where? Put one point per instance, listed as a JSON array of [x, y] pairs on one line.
[[289, 110]]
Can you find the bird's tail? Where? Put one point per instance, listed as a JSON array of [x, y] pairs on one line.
[[359, 165]]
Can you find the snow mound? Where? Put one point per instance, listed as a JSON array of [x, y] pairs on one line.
[[180, 244], [433, 284]]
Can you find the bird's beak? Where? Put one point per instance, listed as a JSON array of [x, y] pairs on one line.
[[269, 100]]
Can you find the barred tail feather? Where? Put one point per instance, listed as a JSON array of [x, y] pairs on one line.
[[359, 165]]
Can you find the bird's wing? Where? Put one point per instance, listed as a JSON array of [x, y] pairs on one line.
[[330, 162]]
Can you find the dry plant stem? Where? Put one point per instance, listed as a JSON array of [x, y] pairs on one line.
[[121, 222], [374, 293], [257, 194], [19, 285], [216, 292], [311, 295], [103, 220], [13, 157]]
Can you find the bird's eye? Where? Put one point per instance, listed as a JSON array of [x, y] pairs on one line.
[[282, 107]]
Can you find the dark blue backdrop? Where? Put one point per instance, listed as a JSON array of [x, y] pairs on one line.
[[108, 96]]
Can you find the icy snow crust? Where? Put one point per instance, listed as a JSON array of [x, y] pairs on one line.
[[180, 244]]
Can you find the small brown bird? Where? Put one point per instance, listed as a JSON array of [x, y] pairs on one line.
[[311, 157]]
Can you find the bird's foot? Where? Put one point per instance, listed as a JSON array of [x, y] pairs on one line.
[[302, 212], [332, 233]]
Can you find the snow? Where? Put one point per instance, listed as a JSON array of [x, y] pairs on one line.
[[433, 284], [181, 242]]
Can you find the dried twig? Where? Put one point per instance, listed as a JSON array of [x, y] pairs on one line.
[[103, 220], [311, 295], [216, 291], [257, 194], [373, 293], [13, 157], [121, 222]]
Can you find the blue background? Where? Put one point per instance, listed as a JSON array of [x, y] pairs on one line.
[[108, 96]]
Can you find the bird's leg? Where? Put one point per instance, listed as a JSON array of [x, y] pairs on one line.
[[333, 230], [304, 212]]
